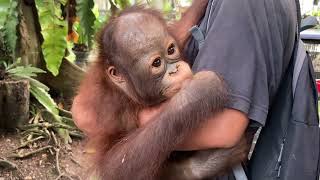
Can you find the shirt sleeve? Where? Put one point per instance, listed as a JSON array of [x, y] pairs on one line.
[[245, 45]]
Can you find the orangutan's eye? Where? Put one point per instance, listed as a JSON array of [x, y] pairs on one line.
[[171, 49], [156, 62]]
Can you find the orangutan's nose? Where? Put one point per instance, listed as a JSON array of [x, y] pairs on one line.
[[176, 69]]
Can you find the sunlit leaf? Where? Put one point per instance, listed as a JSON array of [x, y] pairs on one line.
[[25, 71], [71, 56], [54, 32], [44, 98], [4, 6], [122, 3]]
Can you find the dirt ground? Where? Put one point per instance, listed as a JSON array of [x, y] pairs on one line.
[[73, 160]]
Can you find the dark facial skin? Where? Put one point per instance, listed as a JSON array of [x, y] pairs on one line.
[[155, 67]]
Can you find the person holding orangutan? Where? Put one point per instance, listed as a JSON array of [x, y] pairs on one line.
[[151, 117]]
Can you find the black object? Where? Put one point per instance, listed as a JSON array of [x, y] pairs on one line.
[[288, 146]]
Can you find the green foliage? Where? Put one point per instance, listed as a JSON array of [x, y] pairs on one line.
[[80, 30], [314, 12], [38, 90], [54, 32], [121, 4], [4, 6], [167, 8], [71, 56], [87, 18], [25, 71], [8, 25], [63, 2], [44, 98], [100, 19]]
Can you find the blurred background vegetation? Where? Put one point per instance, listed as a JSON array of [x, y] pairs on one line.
[[47, 44]]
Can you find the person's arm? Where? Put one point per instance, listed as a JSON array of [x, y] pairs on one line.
[[180, 28], [223, 130]]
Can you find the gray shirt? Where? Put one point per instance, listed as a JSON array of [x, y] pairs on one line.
[[250, 43]]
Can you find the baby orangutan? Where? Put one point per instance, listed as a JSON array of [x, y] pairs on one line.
[[140, 65]]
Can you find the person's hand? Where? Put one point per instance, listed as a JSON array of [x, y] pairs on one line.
[[180, 29]]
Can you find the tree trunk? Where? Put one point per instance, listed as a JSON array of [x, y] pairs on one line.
[[14, 103]]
